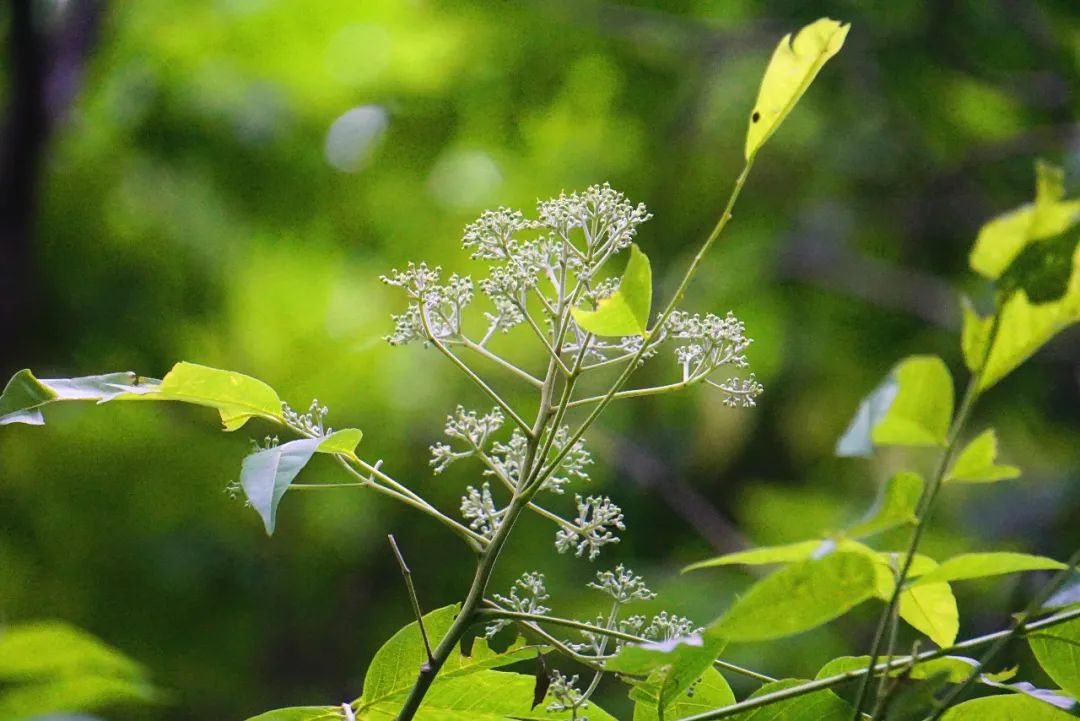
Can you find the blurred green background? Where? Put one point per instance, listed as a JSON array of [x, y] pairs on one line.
[[223, 182]]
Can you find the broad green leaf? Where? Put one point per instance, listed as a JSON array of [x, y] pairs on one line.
[[671, 666], [1058, 650], [710, 692], [955, 669], [799, 597], [977, 463], [912, 407], [51, 667], [626, 311], [982, 565], [302, 713], [794, 65], [762, 556], [816, 706], [24, 395], [1004, 238], [237, 397], [931, 609], [975, 335], [1011, 707], [895, 505], [265, 476], [922, 411]]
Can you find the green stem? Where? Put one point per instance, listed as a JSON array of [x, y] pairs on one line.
[[899, 662]]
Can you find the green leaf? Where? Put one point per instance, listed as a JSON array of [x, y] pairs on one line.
[[816, 706], [302, 713], [799, 597], [977, 463], [955, 669], [626, 311], [895, 505], [931, 609], [237, 397], [762, 556], [1058, 651], [982, 565], [344, 442], [671, 666], [913, 406], [51, 667], [1011, 707], [265, 476], [975, 335], [793, 67], [24, 395], [710, 692]]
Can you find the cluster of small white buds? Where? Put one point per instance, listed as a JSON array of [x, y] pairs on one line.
[[565, 695], [479, 509], [471, 428], [434, 311], [622, 585], [591, 529], [526, 596], [310, 423], [667, 627]]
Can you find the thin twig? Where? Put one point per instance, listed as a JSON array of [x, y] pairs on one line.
[[407, 575]]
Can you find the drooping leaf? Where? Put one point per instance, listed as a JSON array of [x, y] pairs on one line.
[[975, 335], [931, 609], [626, 311], [708, 693], [912, 407], [237, 397], [793, 67], [982, 565], [24, 395], [51, 668], [670, 666], [302, 713], [762, 556], [977, 463], [1010, 707], [265, 476], [799, 597], [895, 505], [816, 706], [1058, 651]]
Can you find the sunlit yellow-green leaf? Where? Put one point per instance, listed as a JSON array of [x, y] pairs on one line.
[[1058, 650], [977, 463], [344, 441], [237, 397], [1006, 707], [894, 507], [626, 311], [982, 565], [710, 692], [302, 713], [762, 556], [799, 597], [931, 609], [794, 65], [816, 706], [975, 335]]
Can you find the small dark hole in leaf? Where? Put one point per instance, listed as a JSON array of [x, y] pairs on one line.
[[755, 117], [1043, 268]]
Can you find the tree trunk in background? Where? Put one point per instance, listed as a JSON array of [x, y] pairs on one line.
[[46, 58]]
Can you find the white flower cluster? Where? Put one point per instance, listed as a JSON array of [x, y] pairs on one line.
[[667, 627], [704, 344], [622, 585], [605, 217], [566, 696], [533, 593], [508, 459], [435, 310], [468, 426], [479, 509], [593, 527]]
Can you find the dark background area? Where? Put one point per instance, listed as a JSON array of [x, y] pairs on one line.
[[184, 180]]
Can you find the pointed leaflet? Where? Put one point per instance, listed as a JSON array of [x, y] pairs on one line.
[[894, 507], [237, 397], [816, 706], [626, 311], [762, 556], [912, 407], [1058, 651], [982, 565], [977, 463], [975, 335], [302, 713], [799, 597], [671, 666], [1011, 707], [930, 609], [794, 65], [708, 693]]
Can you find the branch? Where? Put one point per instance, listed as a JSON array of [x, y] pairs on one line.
[[407, 575]]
